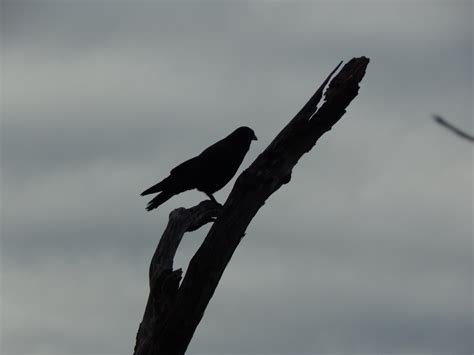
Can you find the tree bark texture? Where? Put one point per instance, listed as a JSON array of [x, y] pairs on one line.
[[173, 311]]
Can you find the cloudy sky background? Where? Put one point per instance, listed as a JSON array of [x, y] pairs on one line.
[[367, 250]]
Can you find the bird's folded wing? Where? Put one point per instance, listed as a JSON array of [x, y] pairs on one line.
[[186, 167]]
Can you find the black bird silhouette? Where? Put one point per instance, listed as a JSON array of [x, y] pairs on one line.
[[208, 172]]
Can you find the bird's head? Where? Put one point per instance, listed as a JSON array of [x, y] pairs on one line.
[[246, 132]]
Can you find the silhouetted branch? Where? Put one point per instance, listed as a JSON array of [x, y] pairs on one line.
[[452, 128], [175, 311], [163, 280]]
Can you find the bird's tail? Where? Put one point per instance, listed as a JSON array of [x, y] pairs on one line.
[[162, 185], [159, 200]]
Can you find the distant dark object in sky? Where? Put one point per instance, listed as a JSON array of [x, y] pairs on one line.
[[208, 172], [452, 128]]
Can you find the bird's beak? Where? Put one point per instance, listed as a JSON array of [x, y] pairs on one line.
[[254, 138]]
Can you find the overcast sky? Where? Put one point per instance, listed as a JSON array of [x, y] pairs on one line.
[[367, 250]]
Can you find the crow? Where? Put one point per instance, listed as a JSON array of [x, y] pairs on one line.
[[208, 172]]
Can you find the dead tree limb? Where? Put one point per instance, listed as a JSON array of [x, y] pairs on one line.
[[163, 280], [453, 129], [174, 311]]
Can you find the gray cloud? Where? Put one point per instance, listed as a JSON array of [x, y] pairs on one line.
[[367, 250]]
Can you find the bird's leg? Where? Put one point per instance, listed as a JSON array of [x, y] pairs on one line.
[[211, 197]]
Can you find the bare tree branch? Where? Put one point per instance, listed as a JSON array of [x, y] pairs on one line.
[[170, 322], [164, 281], [453, 129]]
